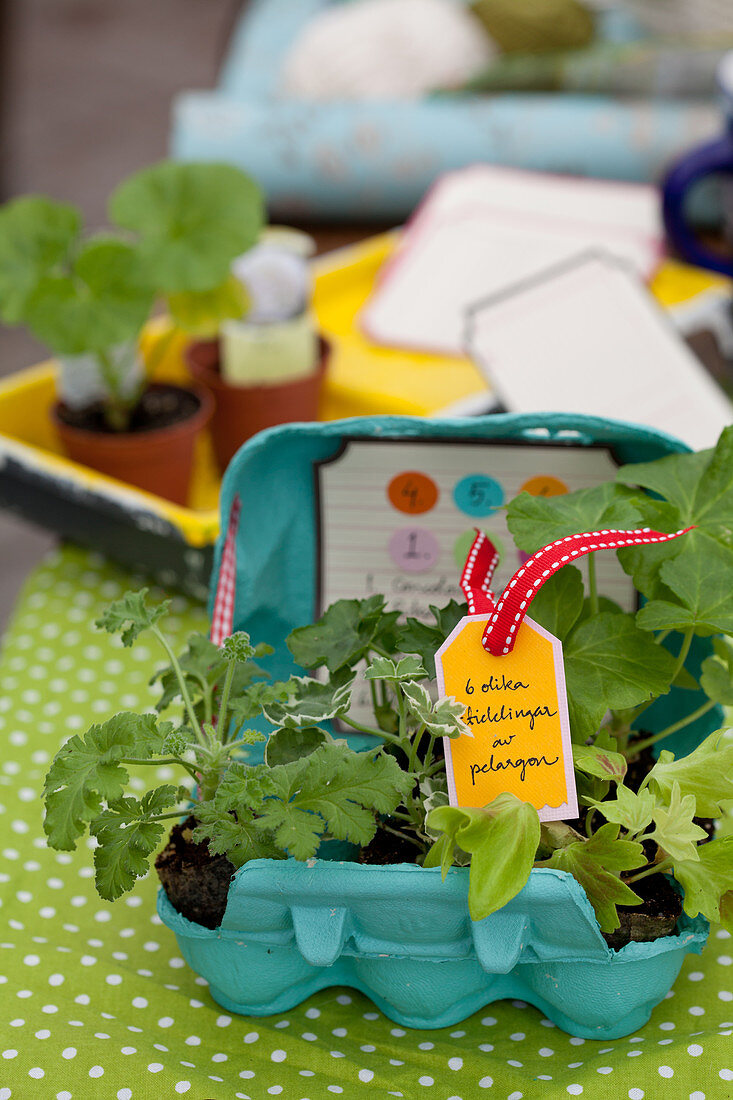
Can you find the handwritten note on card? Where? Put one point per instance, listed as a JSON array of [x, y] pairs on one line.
[[516, 710]]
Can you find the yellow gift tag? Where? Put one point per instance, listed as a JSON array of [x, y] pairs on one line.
[[516, 709]]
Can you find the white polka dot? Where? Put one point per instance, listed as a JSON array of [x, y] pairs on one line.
[[697, 1095], [124, 1094], [278, 1056], [155, 1067], [275, 1090], [8, 1054], [485, 1082], [604, 1069], [726, 1074], [365, 1074], [574, 1090], [183, 1086], [222, 1021], [636, 1094], [44, 1033], [695, 1050], [453, 1063], [36, 1072], [70, 1052], [696, 1010], [96, 1071], [128, 1050], [546, 1052], [421, 1080], [251, 1037], [166, 1021], [31, 960]]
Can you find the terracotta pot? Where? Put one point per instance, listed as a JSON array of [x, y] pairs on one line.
[[159, 460], [242, 411]]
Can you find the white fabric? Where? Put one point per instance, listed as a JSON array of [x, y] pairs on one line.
[[385, 49]]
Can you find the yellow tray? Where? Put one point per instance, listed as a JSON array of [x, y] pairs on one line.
[[364, 378]]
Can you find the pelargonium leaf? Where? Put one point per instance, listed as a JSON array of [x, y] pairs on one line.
[[201, 313], [443, 718], [699, 581], [628, 809], [342, 636], [407, 668], [424, 639], [36, 239], [127, 838], [193, 220], [675, 832], [708, 881], [131, 615], [706, 773], [600, 762], [311, 701], [535, 521]]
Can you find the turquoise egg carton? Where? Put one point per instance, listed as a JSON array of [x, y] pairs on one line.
[[405, 939], [398, 933]]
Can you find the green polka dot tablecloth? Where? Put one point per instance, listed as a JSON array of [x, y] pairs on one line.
[[95, 1001]]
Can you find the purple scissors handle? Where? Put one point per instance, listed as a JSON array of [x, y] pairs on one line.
[[714, 157]]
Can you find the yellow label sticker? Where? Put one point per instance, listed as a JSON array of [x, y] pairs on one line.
[[516, 710]]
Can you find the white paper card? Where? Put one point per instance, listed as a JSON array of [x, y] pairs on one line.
[[588, 337], [487, 228]]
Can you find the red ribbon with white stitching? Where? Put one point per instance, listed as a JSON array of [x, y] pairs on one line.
[[509, 610], [223, 615]]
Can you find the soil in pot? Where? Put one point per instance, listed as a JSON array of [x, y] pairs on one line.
[[385, 848], [196, 882], [156, 454], [657, 916]]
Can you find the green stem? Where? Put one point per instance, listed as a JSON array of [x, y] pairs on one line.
[[639, 746], [375, 701], [664, 865], [182, 684], [416, 739], [592, 584], [382, 734], [588, 822], [224, 704], [160, 762], [166, 817], [662, 636], [402, 836], [684, 650]]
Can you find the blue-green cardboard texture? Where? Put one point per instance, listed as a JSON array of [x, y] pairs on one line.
[[293, 928]]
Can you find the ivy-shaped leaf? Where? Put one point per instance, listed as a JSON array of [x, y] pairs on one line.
[[407, 668], [311, 701], [287, 744], [698, 579], [676, 833], [716, 677], [600, 762], [342, 636], [442, 719], [424, 639], [628, 809], [597, 864], [706, 773], [502, 840], [708, 881]]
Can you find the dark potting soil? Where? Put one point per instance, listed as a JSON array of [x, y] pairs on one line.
[[385, 848], [161, 406], [196, 882], [656, 916]]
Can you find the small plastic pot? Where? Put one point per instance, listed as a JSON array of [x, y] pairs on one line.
[[159, 460], [242, 411], [405, 939]]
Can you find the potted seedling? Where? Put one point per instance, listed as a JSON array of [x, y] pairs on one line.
[[440, 909], [266, 366], [176, 229]]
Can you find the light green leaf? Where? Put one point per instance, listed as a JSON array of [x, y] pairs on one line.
[[610, 663], [127, 837], [502, 839], [674, 477], [708, 881], [597, 864], [706, 773], [559, 603], [675, 832], [536, 521], [101, 303], [631, 811], [408, 668], [193, 219], [131, 615], [36, 237], [716, 678], [600, 762], [237, 647], [311, 701], [201, 312]]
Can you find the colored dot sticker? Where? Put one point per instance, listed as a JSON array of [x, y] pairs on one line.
[[412, 492], [478, 495], [414, 550], [544, 485], [464, 543]]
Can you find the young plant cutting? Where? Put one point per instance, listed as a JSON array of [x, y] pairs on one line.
[[640, 844], [176, 228]]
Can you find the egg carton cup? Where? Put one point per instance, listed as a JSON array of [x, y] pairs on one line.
[[404, 938]]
